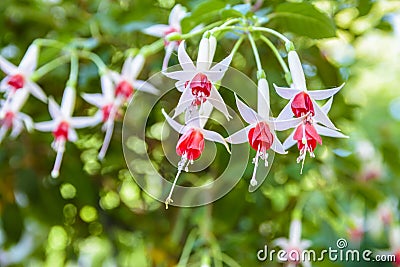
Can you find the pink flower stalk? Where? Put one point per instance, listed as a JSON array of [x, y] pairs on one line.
[[301, 101], [13, 119], [19, 78], [307, 134], [191, 144], [163, 30], [63, 125], [260, 131], [294, 245], [197, 82]]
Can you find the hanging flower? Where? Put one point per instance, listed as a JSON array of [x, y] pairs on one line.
[[191, 144], [307, 134], [13, 119], [126, 81], [197, 82], [302, 101], [19, 78], [109, 105], [294, 245], [63, 125], [163, 30], [259, 133]]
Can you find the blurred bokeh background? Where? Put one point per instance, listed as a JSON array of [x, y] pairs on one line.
[[94, 214]]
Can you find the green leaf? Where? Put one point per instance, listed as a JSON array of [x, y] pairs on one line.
[[303, 19]]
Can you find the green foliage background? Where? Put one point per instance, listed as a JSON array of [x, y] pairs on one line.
[[95, 215]]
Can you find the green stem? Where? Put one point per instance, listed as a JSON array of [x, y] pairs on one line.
[[237, 45], [94, 58], [73, 76], [46, 68], [200, 31], [50, 43], [187, 249], [224, 25], [153, 48], [276, 53], [273, 32], [260, 71]]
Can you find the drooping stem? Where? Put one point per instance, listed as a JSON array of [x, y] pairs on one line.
[[278, 57], [260, 71], [46, 68], [73, 75], [237, 45], [273, 32]]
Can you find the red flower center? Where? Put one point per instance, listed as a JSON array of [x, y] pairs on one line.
[[294, 255], [8, 119], [191, 143], [356, 234], [302, 105], [124, 89], [106, 110], [397, 258], [307, 137], [201, 88], [260, 137], [61, 131], [16, 81]]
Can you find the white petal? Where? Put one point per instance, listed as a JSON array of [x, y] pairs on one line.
[[145, 87], [54, 109], [83, 122], [107, 86], [116, 77], [295, 232], [321, 117], [176, 15], [277, 145], [18, 100], [175, 125], [321, 130], [184, 60], [94, 99], [248, 114], [180, 85], [37, 91], [185, 101], [17, 128], [240, 136], [296, 70], [28, 122], [327, 107], [286, 112], [157, 30], [304, 244], [7, 67], [263, 98], [305, 263], [282, 125], [217, 101], [212, 45], [394, 238], [181, 75], [286, 92], [72, 135], [132, 67], [217, 72], [206, 110], [324, 94], [29, 61], [68, 101], [203, 63], [168, 52], [215, 137], [281, 242], [45, 126], [289, 142]]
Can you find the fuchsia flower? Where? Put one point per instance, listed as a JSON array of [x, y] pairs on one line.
[[302, 101], [260, 132], [14, 119], [63, 125], [294, 246], [19, 78], [197, 82], [302, 105], [163, 30], [191, 143]]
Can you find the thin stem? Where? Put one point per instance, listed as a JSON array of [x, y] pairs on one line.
[[276, 53], [224, 25], [50, 43], [152, 48], [237, 45], [200, 31], [271, 31], [260, 71], [187, 249], [46, 68], [73, 75], [94, 58]]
